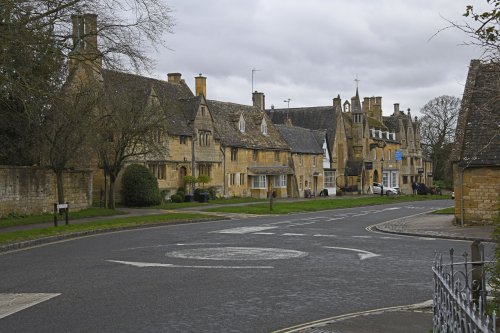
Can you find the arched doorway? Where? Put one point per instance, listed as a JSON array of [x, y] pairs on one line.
[[375, 176], [182, 174]]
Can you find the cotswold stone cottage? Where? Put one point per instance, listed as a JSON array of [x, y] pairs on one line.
[[476, 155]]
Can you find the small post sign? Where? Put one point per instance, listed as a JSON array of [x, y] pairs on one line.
[[57, 209]]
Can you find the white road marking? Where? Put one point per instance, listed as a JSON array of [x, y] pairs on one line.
[[361, 236], [319, 235], [393, 208], [263, 233], [12, 303], [334, 218], [237, 253], [196, 244], [290, 234], [153, 264], [389, 237], [242, 230], [427, 238], [361, 253]]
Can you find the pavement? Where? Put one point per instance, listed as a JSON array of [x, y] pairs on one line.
[[416, 318]]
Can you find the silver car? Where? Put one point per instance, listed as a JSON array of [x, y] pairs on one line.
[[387, 190]]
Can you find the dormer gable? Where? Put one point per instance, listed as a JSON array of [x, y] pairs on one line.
[[242, 124], [263, 126]]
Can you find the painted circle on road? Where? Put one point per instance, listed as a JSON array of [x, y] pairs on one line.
[[237, 253]]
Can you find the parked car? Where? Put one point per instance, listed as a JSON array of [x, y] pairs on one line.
[[387, 190]]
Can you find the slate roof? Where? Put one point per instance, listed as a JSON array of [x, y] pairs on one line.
[[302, 140], [315, 118], [477, 140], [176, 99], [270, 170], [226, 118]]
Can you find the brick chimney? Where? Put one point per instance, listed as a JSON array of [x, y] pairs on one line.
[[174, 77], [259, 100], [201, 85]]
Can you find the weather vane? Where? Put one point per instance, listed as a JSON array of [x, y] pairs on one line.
[[357, 81]]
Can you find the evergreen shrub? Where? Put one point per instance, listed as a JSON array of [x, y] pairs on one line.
[[139, 187]]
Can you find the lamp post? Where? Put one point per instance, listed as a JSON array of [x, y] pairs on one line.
[[382, 144], [288, 102], [382, 174]]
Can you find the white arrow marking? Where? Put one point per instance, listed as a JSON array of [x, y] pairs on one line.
[[154, 264], [12, 303], [361, 253]]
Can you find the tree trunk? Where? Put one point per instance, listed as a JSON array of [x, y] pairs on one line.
[[111, 199], [60, 186]]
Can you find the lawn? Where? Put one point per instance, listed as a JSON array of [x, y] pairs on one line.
[[449, 210], [14, 220], [116, 223], [319, 204], [218, 201]]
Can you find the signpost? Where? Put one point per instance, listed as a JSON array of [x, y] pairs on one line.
[[57, 208]]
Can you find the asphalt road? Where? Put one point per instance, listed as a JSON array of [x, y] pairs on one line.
[[251, 275]]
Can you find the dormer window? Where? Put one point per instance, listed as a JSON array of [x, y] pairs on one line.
[[241, 124], [263, 127]]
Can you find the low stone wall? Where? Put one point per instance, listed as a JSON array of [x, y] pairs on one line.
[[32, 190]]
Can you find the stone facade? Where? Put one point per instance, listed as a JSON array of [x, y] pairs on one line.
[[476, 154], [32, 190], [479, 191]]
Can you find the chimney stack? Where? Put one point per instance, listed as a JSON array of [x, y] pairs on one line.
[[201, 85], [396, 109], [90, 32], [78, 32], [259, 100], [337, 103], [174, 77]]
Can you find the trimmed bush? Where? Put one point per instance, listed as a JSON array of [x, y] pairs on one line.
[[139, 187], [177, 198]]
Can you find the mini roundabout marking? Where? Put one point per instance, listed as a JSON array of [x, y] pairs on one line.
[[221, 253]]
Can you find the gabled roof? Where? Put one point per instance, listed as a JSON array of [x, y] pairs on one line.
[[176, 99], [303, 140], [226, 117], [477, 141], [315, 118]]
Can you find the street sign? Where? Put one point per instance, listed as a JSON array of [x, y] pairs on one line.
[[398, 154]]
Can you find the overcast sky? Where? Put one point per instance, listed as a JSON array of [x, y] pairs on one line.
[[311, 51]]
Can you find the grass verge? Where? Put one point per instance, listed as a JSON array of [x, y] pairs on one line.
[[318, 205], [449, 210], [116, 223], [218, 201], [48, 217]]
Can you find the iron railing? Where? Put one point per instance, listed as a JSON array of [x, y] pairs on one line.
[[460, 294]]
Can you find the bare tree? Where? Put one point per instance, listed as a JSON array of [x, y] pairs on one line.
[[437, 131], [128, 130], [38, 40]]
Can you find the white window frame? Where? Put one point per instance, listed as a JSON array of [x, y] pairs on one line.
[[259, 182], [329, 179], [280, 181], [263, 127]]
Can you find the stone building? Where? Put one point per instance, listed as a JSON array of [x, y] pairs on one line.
[[476, 154], [254, 154], [365, 146], [306, 160]]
